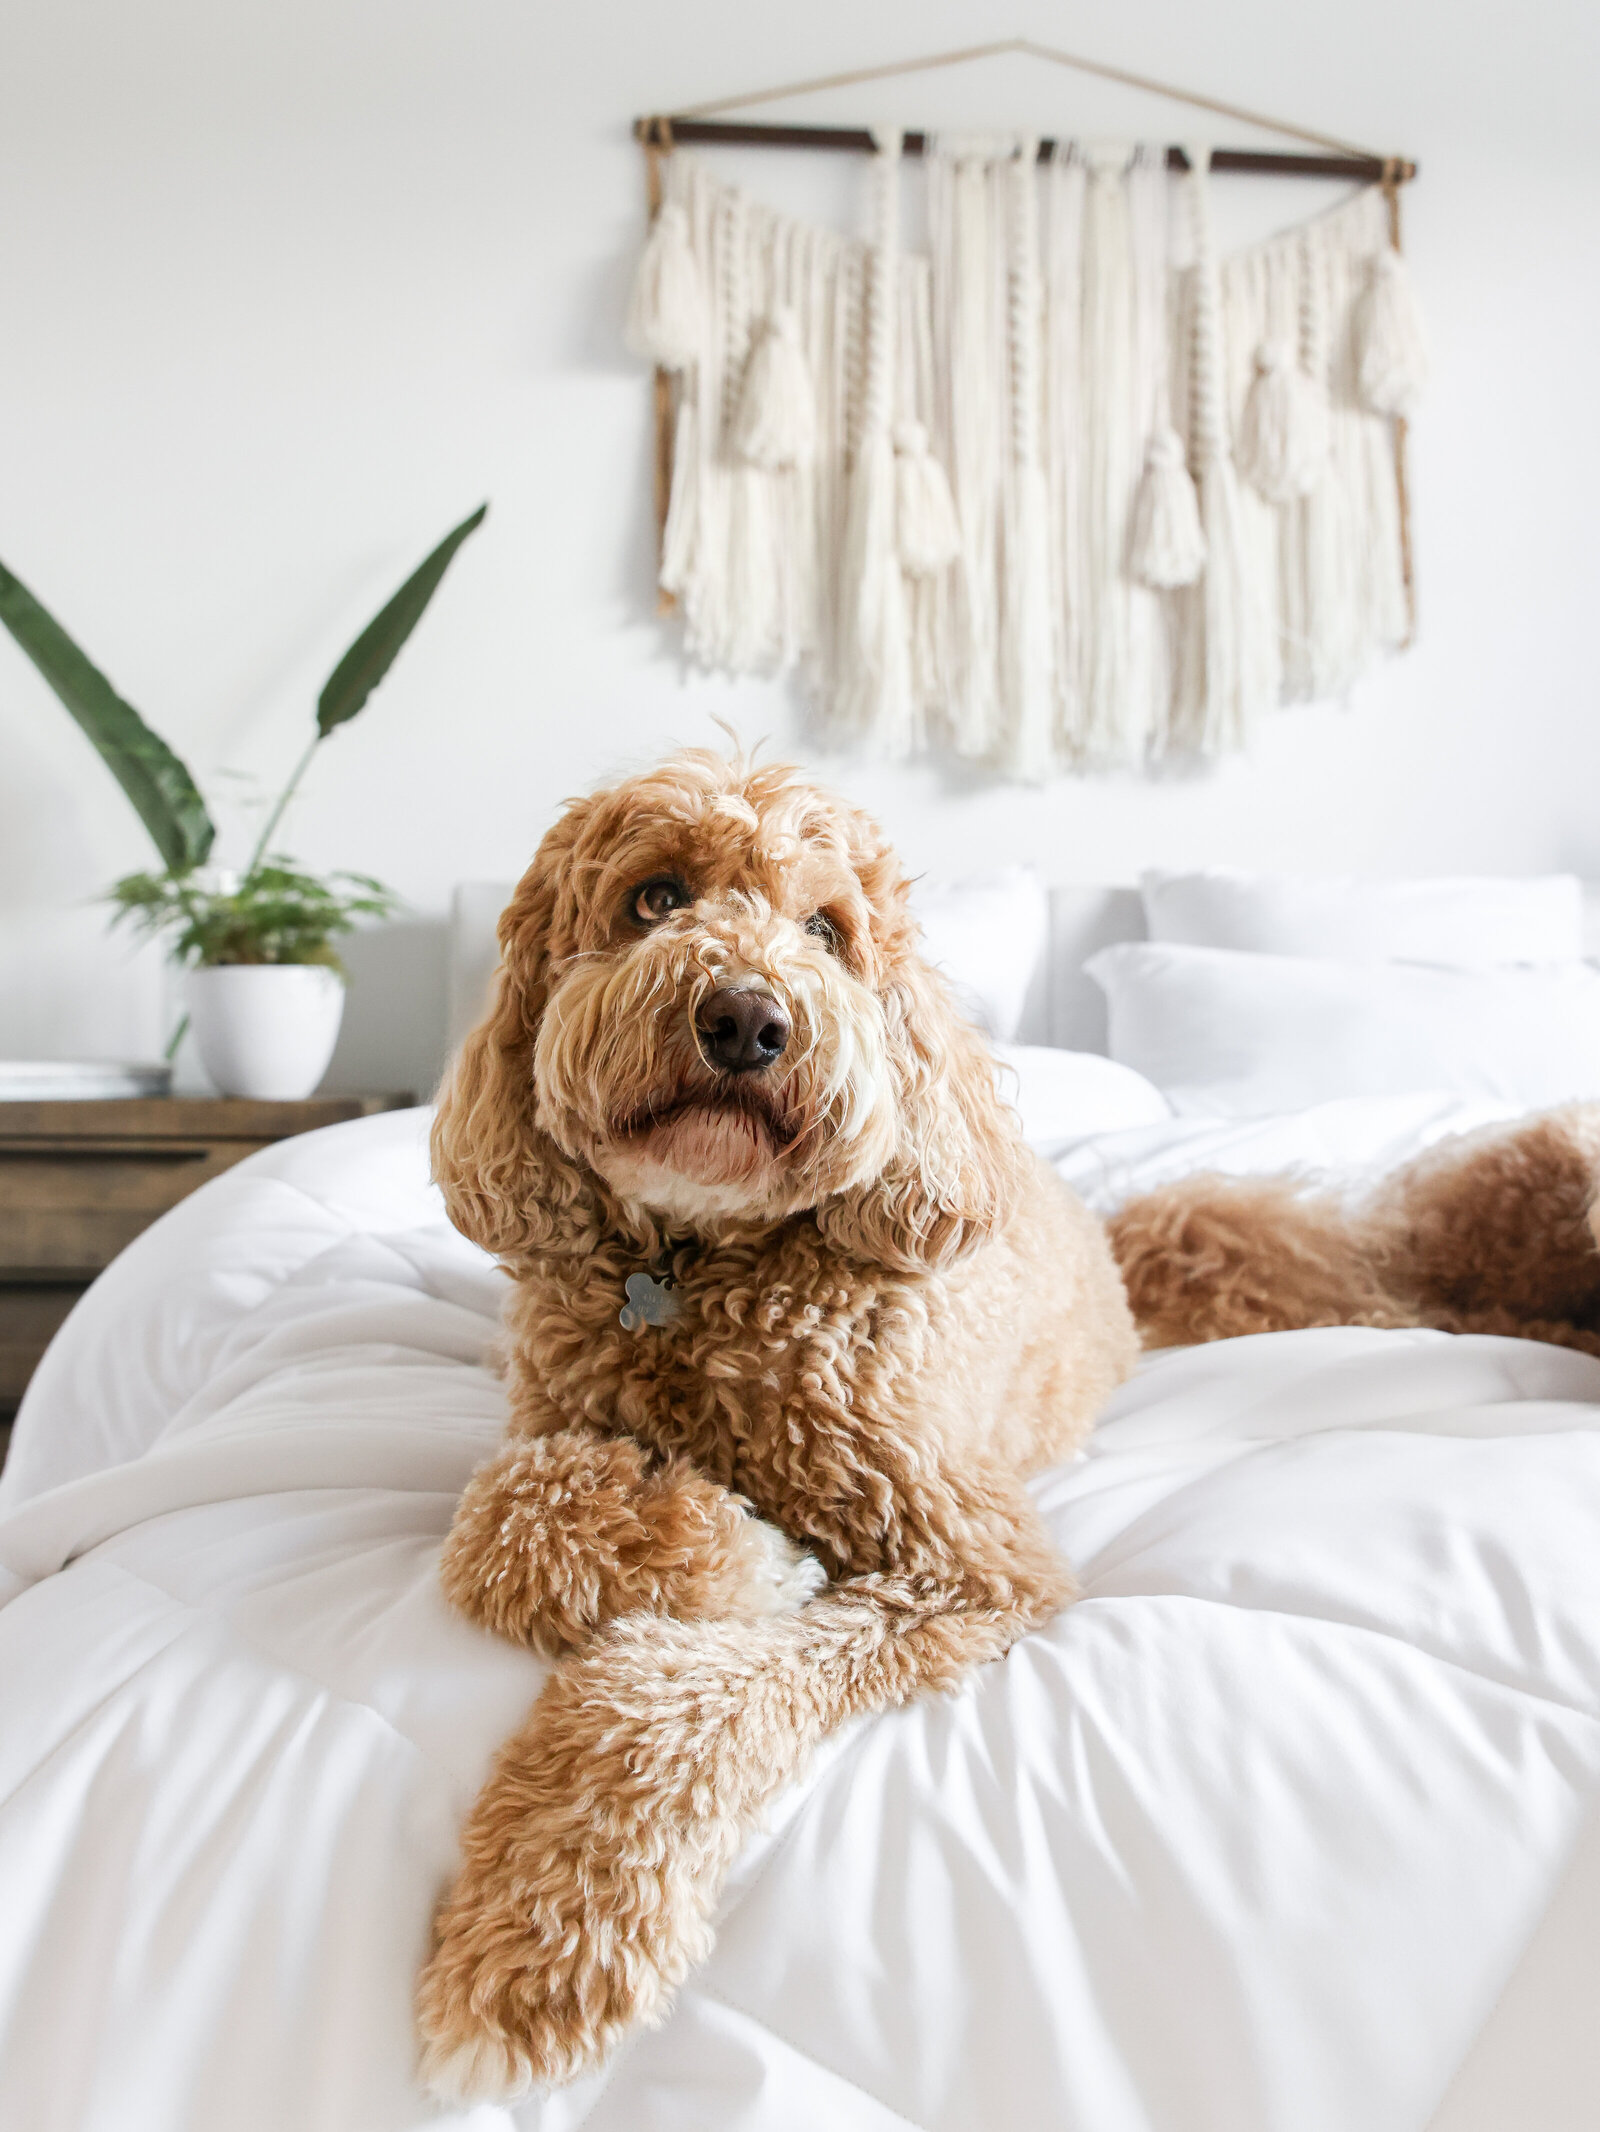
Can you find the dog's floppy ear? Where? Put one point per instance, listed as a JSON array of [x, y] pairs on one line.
[[489, 1158], [955, 1172]]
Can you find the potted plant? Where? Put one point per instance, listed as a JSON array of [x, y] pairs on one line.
[[264, 987]]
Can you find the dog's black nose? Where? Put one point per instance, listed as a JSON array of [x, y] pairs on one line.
[[742, 1029]]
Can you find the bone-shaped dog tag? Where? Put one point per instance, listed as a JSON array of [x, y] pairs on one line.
[[650, 1302]]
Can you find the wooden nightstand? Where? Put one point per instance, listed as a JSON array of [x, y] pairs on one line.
[[80, 1180]]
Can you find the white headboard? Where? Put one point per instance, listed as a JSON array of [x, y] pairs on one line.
[[1064, 1008]]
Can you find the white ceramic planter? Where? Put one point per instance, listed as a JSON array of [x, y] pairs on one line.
[[265, 1030]]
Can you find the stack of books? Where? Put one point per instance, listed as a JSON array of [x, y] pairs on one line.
[[79, 1080]]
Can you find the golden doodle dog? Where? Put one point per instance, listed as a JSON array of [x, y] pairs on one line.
[[795, 1314], [1489, 1232]]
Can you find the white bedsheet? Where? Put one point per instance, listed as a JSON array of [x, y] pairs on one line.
[[1288, 1826]]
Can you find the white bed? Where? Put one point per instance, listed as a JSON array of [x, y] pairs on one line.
[[1288, 1826]]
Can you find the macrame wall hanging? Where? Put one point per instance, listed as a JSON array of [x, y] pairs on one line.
[[1066, 492]]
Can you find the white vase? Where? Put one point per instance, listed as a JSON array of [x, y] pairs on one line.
[[268, 1029]]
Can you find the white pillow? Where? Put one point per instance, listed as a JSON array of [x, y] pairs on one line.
[[1345, 920], [1064, 1096], [988, 937], [1228, 1035]]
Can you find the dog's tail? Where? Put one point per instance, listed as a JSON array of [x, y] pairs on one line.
[[1212, 1257], [596, 1853], [1494, 1231]]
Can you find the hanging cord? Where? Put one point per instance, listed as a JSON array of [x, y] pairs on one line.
[[658, 142], [1029, 49], [1390, 182]]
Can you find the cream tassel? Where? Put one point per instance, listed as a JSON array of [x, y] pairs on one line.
[[776, 424], [1168, 547], [1391, 350], [1064, 405], [681, 540], [963, 228], [1115, 419], [1223, 713], [927, 532], [1028, 642], [754, 589], [873, 681], [666, 315], [1283, 435]]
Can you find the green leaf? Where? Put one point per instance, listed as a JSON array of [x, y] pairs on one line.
[[163, 793], [275, 914], [379, 644]]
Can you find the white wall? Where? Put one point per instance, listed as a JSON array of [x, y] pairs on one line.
[[288, 285]]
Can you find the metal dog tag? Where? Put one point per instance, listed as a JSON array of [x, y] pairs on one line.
[[650, 1302]]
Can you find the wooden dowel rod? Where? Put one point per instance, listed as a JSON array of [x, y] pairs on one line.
[[1262, 162]]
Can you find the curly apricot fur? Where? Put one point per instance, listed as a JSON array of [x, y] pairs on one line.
[[1488, 1232], [889, 1314]]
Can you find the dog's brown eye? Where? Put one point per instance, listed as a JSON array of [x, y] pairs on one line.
[[820, 927], [657, 899]]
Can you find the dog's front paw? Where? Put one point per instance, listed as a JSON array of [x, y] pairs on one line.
[[591, 1863], [542, 1957], [781, 1576], [466, 2064]]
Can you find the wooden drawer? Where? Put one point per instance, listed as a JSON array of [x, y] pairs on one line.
[[29, 1316], [72, 1205]]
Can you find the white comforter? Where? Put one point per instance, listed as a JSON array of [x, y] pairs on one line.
[[1287, 1827]]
